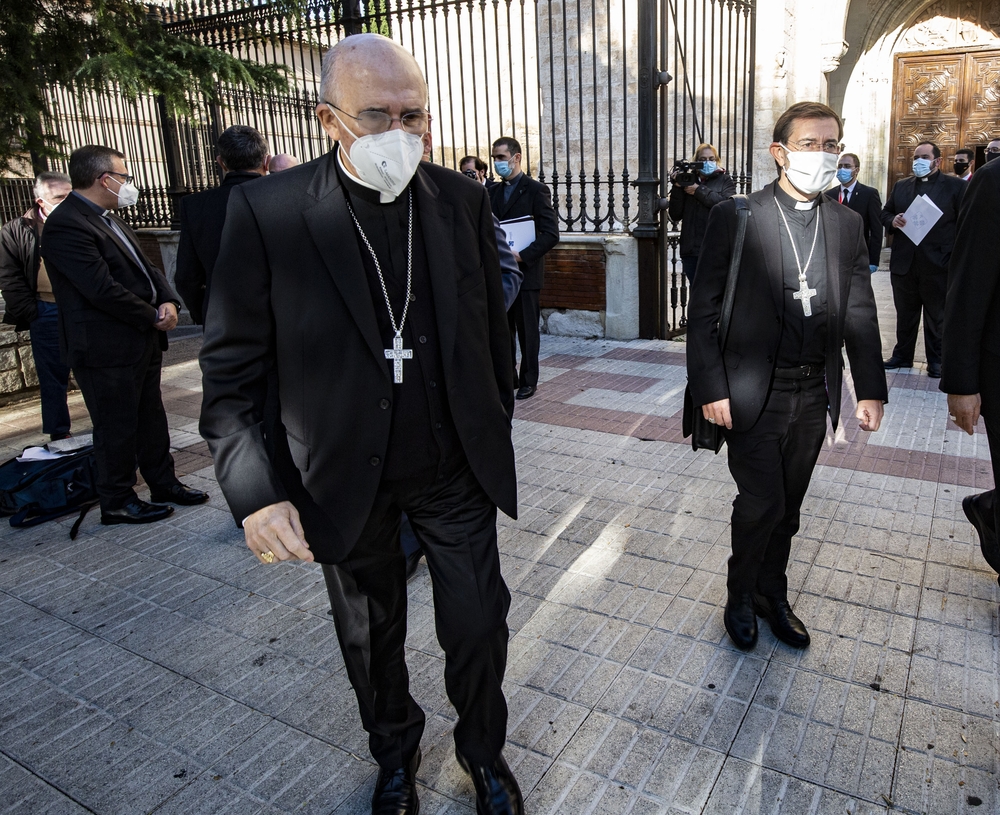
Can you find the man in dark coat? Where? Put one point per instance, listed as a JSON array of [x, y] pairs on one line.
[[971, 344], [30, 302], [242, 157], [115, 308], [864, 200], [920, 273], [803, 291], [372, 282], [517, 197]]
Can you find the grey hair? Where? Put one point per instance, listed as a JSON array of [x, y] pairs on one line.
[[334, 55], [44, 179]]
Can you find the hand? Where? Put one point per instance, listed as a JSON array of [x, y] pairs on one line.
[[899, 221], [720, 412], [517, 255], [690, 189], [278, 530], [869, 414], [166, 317], [872, 268], [964, 409]]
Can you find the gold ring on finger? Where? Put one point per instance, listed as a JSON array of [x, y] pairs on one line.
[[267, 557]]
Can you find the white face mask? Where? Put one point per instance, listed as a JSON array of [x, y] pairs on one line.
[[385, 161], [128, 194], [810, 172]]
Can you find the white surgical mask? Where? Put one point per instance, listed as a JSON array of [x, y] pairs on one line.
[[810, 172], [921, 167], [128, 194], [385, 161]]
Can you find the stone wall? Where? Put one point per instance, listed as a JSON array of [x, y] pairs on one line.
[[17, 367]]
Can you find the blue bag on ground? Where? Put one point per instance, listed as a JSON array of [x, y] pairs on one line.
[[32, 492]]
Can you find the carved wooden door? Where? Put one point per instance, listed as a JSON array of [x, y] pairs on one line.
[[949, 98]]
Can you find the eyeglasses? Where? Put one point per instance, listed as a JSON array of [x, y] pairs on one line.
[[128, 179], [813, 146], [378, 121], [471, 173], [845, 167]]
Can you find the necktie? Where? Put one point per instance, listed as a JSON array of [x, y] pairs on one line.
[[845, 195]]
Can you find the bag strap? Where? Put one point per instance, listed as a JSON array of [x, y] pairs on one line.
[[742, 213]]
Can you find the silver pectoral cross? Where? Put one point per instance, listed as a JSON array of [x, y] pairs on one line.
[[805, 294], [397, 354]]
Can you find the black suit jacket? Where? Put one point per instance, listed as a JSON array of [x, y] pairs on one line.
[[106, 307], [944, 190], [972, 307], [744, 374], [530, 198], [289, 287], [202, 217], [866, 202]]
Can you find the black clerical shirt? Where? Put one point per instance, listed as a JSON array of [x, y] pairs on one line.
[[422, 436], [803, 339]]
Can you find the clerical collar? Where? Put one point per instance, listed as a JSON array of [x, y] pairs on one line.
[[362, 188], [792, 203]]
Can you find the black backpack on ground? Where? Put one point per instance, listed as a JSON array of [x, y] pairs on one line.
[[32, 492]]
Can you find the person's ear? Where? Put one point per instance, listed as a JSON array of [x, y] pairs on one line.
[[777, 153], [329, 122], [222, 164], [267, 163]]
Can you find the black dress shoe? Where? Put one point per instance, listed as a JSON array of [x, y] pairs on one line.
[[934, 370], [740, 621], [135, 512], [525, 393], [784, 624], [978, 517], [178, 494], [892, 363], [497, 792], [396, 790]]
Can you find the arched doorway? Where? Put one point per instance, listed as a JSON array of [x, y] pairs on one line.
[[917, 70]]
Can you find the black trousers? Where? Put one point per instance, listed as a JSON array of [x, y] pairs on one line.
[[922, 288], [772, 464], [989, 384], [130, 425], [456, 523], [522, 319]]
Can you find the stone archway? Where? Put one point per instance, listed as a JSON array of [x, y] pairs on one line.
[[884, 30]]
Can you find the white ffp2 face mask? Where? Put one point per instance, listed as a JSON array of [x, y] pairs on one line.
[[128, 194], [810, 172], [385, 161]]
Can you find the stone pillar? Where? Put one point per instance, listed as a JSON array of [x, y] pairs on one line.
[[169, 239], [621, 321], [17, 366]]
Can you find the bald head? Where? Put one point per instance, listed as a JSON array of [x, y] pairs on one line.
[[282, 161], [368, 58]]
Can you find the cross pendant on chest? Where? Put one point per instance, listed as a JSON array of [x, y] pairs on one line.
[[397, 354], [805, 294]]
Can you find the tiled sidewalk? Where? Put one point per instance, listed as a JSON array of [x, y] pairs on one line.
[[162, 669]]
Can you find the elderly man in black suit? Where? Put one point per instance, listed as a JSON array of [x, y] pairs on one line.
[[517, 197], [920, 273], [971, 346], [864, 200], [115, 308], [371, 281], [242, 157], [803, 291]]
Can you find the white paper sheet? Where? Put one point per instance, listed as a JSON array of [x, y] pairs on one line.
[[921, 216], [520, 232]]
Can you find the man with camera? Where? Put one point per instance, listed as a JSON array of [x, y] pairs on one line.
[[699, 185]]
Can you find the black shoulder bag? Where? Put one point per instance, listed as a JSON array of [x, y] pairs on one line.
[[705, 435]]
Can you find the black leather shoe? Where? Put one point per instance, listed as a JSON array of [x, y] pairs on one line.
[[934, 370], [396, 790], [497, 792], [988, 543], [740, 621], [178, 494], [892, 363], [784, 624], [135, 512], [525, 393]]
